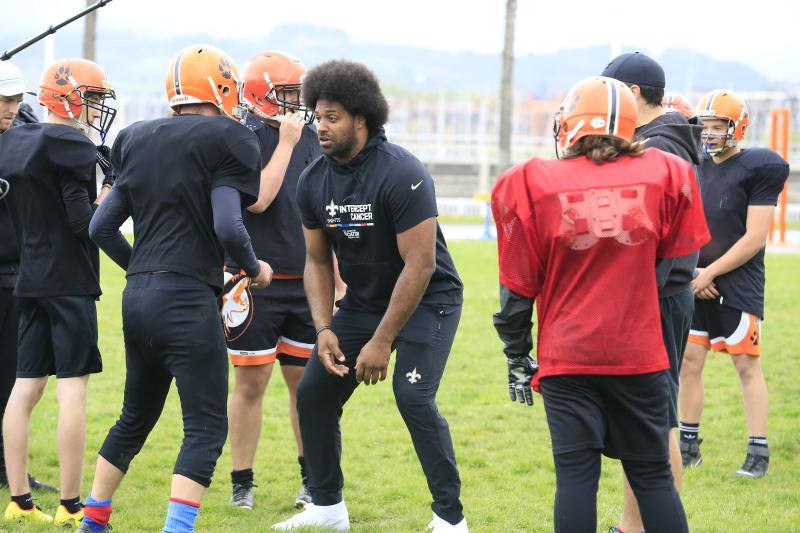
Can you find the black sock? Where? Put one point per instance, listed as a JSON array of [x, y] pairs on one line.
[[25, 501], [73, 505], [758, 441], [303, 471], [242, 476], [689, 432]]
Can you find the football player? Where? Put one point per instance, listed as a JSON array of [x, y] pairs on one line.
[[51, 169], [12, 113], [374, 205], [669, 132], [740, 189], [273, 324], [183, 180], [582, 234]]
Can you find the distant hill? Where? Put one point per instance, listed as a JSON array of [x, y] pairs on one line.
[[136, 64]]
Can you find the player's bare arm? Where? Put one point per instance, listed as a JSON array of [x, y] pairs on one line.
[[758, 222], [417, 247], [319, 285], [291, 129]]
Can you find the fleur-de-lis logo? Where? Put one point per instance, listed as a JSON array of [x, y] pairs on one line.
[[225, 68], [62, 75]]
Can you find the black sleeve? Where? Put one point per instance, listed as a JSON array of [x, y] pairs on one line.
[[228, 225], [663, 270], [239, 166], [410, 194], [767, 183], [267, 141], [79, 208], [303, 200], [73, 152], [514, 322], [104, 228]]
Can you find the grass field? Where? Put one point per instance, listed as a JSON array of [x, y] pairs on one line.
[[503, 448]]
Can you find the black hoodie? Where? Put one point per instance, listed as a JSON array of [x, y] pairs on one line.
[[672, 133]]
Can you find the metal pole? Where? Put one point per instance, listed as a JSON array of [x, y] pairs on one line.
[[8, 54]]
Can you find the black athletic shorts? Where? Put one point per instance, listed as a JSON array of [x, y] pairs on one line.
[[58, 336], [625, 417], [724, 329], [676, 318], [262, 325]]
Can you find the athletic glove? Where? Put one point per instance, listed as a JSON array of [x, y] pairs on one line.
[[521, 369], [104, 160]]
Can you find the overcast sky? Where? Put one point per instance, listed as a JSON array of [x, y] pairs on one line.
[[759, 32]]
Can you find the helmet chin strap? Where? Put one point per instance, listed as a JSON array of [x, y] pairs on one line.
[[216, 95], [82, 126]]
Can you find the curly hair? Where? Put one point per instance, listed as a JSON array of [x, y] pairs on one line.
[[352, 85]]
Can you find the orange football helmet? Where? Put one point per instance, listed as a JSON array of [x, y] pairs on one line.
[[203, 74], [596, 106], [725, 105], [674, 102], [266, 79], [69, 86]]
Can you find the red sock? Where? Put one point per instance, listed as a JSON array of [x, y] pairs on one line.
[[99, 514]]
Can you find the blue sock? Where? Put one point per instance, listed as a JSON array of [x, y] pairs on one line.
[[96, 513], [181, 515]]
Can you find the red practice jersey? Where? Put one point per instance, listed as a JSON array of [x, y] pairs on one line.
[[583, 240]]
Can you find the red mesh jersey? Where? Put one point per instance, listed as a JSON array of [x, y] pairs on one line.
[[583, 239]]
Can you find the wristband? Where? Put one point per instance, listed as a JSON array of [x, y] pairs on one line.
[[323, 328]]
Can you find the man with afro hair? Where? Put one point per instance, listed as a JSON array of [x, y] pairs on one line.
[[373, 204]]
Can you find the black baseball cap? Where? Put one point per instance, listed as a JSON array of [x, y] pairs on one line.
[[637, 69]]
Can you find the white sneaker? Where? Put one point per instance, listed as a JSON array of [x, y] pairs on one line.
[[333, 517], [440, 525]]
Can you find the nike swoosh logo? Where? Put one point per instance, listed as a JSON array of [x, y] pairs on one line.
[[414, 187]]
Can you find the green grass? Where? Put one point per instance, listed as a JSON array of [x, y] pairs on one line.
[[503, 449], [461, 219]]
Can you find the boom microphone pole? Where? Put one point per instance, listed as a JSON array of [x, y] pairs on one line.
[[52, 29]]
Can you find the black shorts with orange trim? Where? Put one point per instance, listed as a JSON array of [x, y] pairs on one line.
[[725, 329], [264, 325]]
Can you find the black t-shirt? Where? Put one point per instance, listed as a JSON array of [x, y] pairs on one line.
[[46, 164], [277, 233], [362, 206], [167, 168], [755, 176]]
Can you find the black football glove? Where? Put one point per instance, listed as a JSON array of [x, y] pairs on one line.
[[104, 160], [520, 373]]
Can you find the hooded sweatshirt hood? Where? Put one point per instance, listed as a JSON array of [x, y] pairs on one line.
[[672, 133]]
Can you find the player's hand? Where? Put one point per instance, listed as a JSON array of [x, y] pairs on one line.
[[104, 161], [291, 128], [264, 277], [703, 285], [373, 362], [520, 373], [330, 355]]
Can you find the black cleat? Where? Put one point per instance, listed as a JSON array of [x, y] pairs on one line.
[[756, 464], [690, 453], [34, 483], [38, 485]]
